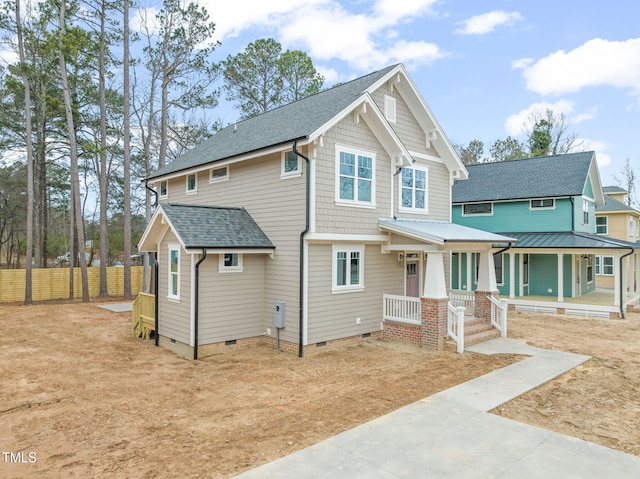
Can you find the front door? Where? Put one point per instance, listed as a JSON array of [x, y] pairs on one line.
[[412, 281]]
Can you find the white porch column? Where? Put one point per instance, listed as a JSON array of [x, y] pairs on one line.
[[435, 286], [512, 275], [469, 277], [616, 279], [487, 272], [560, 278]]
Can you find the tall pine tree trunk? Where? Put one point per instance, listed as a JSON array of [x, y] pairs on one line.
[[127, 160], [104, 233]]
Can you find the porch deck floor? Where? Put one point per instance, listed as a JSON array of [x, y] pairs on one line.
[[599, 297]]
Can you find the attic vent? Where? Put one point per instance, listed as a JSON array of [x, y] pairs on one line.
[[230, 342]]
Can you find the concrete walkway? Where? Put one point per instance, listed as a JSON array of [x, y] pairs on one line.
[[451, 435]]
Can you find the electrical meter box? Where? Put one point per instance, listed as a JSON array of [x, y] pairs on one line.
[[278, 314]]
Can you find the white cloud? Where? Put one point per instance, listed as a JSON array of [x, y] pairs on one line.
[[518, 123], [603, 159], [487, 22], [595, 63]]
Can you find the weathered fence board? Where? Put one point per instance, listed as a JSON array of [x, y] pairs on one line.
[[53, 283]]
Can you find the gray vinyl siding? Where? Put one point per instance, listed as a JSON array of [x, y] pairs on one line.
[[231, 304], [278, 207], [333, 315], [174, 316], [333, 218]]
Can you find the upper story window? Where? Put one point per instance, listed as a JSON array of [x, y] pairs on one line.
[[219, 174], [355, 176], [164, 189], [543, 204], [230, 262], [602, 225], [290, 164], [390, 108], [174, 272], [633, 227], [470, 209], [413, 189], [585, 212], [192, 183]]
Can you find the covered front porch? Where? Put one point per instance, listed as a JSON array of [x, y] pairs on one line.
[[426, 312]]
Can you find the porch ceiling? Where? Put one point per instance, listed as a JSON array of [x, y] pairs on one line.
[[440, 232]]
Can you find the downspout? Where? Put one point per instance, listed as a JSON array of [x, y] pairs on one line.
[[302, 259], [196, 299], [573, 214], [622, 282], [156, 337]]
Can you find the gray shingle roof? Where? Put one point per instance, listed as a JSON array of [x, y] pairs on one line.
[[613, 189], [282, 125], [611, 204], [541, 177], [214, 227]]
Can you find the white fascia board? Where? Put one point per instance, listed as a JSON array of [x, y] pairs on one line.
[[346, 238], [159, 215], [596, 183]]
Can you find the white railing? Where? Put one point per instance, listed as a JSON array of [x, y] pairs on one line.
[[455, 325], [499, 315], [461, 297], [405, 309]]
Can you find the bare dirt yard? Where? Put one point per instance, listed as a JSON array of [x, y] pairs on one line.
[[79, 397]]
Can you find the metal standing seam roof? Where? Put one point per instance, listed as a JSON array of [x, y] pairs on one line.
[[290, 122], [434, 231], [215, 227], [540, 177], [568, 240]]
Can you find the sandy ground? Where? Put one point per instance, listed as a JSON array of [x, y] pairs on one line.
[[80, 397], [599, 400]]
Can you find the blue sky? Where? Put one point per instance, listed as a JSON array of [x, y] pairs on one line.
[[481, 66]]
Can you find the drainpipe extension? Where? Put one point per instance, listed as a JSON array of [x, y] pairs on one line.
[[622, 282], [197, 300], [156, 337], [302, 234]]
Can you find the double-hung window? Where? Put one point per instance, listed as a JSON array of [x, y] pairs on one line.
[[355, 178], [174, 272], [348, 268], [413, 189], [585, 212], [602, 225]]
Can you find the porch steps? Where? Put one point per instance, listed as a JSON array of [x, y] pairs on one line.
[[478, 331]]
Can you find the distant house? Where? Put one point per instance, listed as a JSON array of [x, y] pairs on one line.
[[615, 219], [549, 205], [324, 220]]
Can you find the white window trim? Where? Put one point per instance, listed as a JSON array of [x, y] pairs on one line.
[[606, 225], [538, 208], [413, 209], [175, 297], [166, 195], [348, 248], [218, 179], [239, 268], [186, 186], [289, 174], [500, 280], [390, 109], [600, 266], [477, 214], [585, 211], [356, 152]]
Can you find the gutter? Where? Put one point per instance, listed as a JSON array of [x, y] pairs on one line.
[[197, 300], [302, 259], [156, 337], [622, 282]]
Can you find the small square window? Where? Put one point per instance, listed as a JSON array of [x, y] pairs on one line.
[[230, 262], [192, 184], [219, 174], [290, 164]]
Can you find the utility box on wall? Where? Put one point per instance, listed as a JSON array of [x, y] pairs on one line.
[[278, 314]]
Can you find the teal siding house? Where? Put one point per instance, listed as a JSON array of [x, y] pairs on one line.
[[549, 205]]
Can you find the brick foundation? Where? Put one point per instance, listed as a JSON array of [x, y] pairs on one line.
[[402, 332], [483, 305]]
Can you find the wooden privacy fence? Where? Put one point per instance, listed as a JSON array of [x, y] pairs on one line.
[[144, 315], [53, 283]]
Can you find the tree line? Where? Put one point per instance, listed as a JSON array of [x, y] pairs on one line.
[[84, 120]]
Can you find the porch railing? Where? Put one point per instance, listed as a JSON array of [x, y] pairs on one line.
[[461, 297], [455, 325], [405, 309], [499, 315]]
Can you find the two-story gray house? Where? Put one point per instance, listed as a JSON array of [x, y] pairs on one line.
[[324, 220]]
